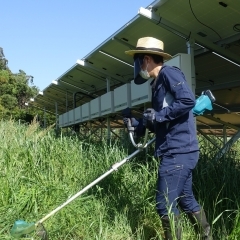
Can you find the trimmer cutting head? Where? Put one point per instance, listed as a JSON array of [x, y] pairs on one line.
[[21, 229], [41, 231]]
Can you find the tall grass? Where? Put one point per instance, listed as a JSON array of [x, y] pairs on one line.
[[39, 171], [216, 184]]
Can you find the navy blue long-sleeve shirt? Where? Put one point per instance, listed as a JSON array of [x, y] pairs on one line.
[[173, 100]]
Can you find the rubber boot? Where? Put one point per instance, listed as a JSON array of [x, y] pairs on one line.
[[167, 228], [200, 224]]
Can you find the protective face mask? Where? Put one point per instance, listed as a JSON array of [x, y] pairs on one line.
[[144, 73]]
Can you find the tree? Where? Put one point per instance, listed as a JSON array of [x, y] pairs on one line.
[[15, 91], [8, 101], [3, 60]]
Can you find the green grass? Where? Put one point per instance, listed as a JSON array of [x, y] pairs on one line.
[[39, 171]]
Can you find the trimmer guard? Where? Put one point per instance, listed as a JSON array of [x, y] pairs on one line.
[[21, 228]]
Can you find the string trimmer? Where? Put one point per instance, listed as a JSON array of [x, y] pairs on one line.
[[21, 227]]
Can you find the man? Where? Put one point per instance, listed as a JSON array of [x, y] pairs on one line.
[[176, 146]]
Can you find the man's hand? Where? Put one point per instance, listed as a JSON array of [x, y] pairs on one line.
[[149, 117], [130, 123]]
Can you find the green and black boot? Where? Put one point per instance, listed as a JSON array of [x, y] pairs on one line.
[[166, 224], [200, 224]]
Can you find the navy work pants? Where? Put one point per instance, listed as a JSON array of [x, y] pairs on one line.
[[174, 184]]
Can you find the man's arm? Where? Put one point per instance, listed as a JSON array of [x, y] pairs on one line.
[[184, 99]]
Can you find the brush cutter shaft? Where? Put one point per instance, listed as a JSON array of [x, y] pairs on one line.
[[113, 168]]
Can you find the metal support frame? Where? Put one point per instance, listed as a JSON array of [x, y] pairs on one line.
[[221, 122], [208, 138], [184, 33], [49, 103], [156, 4], [32, 105], [222, 42], [72, 89], [123, 43], [227, 146], [85, 64], [219, 86], [88, 130], [112, 132]]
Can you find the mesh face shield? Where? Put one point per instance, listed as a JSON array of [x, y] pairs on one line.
[[138, 61]]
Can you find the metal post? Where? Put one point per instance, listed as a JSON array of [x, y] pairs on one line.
[[44, 124], [90, 127], [108, 83], [108, 120], [224, 135], [57, 120], [67, 109], [190, 50], [66, 101], [108, 131]]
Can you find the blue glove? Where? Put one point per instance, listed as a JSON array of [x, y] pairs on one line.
[[149, 117]]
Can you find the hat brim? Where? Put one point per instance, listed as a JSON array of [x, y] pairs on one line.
[[165, 56]]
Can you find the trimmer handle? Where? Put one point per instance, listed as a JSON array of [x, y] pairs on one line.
[[210, 95], [127, 113], [128, 123], [127, 119]]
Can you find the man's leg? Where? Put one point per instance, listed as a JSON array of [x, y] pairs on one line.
[[172, 176], [189, 205]]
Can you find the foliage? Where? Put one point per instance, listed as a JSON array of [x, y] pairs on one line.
[[4, 76], [8, 101], [15, 90], [39, 171]]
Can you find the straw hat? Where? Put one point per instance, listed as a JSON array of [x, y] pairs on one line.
[[149, 45]]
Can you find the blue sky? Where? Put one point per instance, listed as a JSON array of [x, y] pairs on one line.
[[44, 38]]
